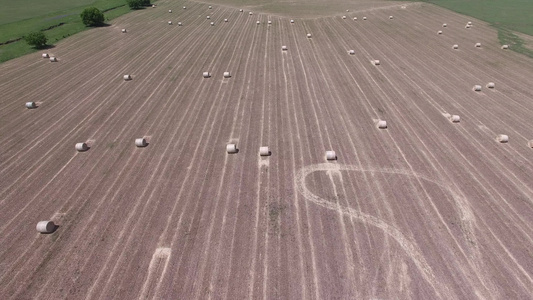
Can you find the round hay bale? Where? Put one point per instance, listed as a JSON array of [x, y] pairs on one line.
[[347, 10], [250, 13], [241, 10], [477, 88], [505, 47], [123, 30], [455, 46], [292, 21], [206, 74], [439, 32], [225, 20], [364, 18], [264, 151], [127, 77], [153, 5], [30, 105], [469, 23], [355, 18], [80, 147], [502, 138], [381, 124], [179, 24], [212, 23], [46, 226], [169, 22], [227, 75], [344, 17], [491, 85], [210, 7], [308, 35], [351, 52], [257, 22], [468, 26], [45, 55], [330, 155], [455, 118], [375, 62], [478, 45], [530, 144], [170, 10], [391, 17], [269, 22], [208, 17], [284, 48], [53, 59], [184, 7], [444, 25], [231, 148], [141, 142]]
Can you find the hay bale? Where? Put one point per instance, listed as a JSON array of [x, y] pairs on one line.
[[375, 62], [210, 7], [53, 59], [206, 74], [141, 142], [80, 147], [225, 20], [30, 105], [170, 10], [469, 23], [153, 5], [330, 155], [241, 10], [46, 226], [478, 45], [351, 52], [468, 26], [179, 24], [184, 7], [444, 25], [505, 47], [124, 30], [490, 85], [212, 23], [208, 17], [344, 17], [347, 10], [477, 88], [127, 77], [455, 118], [455, 46], [264, 151], [308, 35], [502, 138], [257, 22], [364, 18], [45, 55], [391, 17], [284, 48], [381, 124], [231, 148], [292, 21], [227, 74], [169, 22], [250, 13], [355, 18], [269, 22], [530, 144], [439, 32]]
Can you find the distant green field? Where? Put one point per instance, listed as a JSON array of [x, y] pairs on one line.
[[58, 19], [505, 15]]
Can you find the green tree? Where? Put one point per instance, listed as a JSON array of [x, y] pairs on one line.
[[136, 4], [92, 16], [36, 39]]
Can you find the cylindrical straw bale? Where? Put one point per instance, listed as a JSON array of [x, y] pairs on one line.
[[502, 138], [46, 226], [82, 147], [227, 75], [30, 105], [330, 155], [477, 88], [381, 124], [231, 148], [264, 151], [141, 142], [206, 74]]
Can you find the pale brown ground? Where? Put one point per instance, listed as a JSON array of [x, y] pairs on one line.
[[425, 209]]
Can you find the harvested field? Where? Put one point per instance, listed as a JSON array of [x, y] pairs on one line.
[[424, 209]]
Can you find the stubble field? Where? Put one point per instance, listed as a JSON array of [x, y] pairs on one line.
[[424, 209]]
